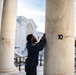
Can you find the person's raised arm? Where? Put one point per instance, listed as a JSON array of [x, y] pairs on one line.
[[39, 46], [43, 37]]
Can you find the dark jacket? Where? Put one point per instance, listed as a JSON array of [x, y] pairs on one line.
[[33, 52]]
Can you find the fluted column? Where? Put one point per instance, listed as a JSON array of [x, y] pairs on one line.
[[59, 52], [8, 27]]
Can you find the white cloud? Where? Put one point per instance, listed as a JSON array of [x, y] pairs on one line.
[[75, 4], [30, 12], [36, 15], [26, 10], [41, 27]]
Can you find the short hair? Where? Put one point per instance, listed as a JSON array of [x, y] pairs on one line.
[[29, 37]]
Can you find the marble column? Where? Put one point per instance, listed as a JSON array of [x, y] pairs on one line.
[[1, 8], [59, 51], [7, 43]]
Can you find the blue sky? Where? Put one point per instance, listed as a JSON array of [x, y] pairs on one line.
[[35, 9]]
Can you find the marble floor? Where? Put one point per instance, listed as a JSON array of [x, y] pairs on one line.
[[39, 71]]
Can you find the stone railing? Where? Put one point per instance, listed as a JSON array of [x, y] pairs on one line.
[[20, 61]]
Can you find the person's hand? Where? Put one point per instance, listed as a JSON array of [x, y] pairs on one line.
[[44, 36]]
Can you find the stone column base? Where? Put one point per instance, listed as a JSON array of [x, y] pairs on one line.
[[13, 71]]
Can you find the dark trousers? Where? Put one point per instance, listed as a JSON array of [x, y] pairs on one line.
[[30, 70]]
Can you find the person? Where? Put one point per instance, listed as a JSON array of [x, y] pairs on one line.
[[33, 49]]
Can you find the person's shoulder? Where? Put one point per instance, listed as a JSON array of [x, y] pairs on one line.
[[28, 43]]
